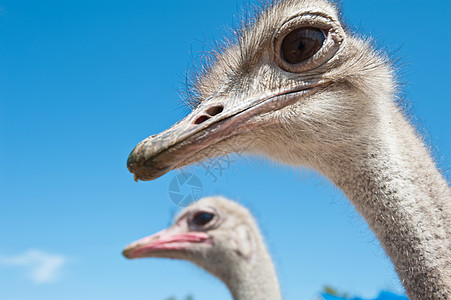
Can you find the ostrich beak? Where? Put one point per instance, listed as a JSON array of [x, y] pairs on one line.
[[212, 121], [159, 244]]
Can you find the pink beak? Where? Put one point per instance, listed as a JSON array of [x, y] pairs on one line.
[[163, 241]]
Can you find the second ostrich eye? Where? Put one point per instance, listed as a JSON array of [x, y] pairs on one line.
[[202, 218], [301, 44]]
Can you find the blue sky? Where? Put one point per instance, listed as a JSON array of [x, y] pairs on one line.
[[81, 82]]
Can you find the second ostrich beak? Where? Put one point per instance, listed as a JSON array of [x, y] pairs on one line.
[[162, 243]]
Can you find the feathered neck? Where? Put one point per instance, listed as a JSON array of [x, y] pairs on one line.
[[391, 179]]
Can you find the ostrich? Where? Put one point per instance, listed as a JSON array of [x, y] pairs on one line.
[[220, 236], [298, 88]]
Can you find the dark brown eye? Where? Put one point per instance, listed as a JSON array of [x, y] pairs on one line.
[[202, 218], [301, 44]]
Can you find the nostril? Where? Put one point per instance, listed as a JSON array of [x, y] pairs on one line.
[[213, 111], [201, 119]]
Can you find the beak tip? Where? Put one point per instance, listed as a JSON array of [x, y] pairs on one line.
[[126, 253], [135, 164], [132, 159], [144, 165], [146, 171]]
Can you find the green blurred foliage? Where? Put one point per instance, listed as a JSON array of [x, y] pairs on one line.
[[333, 291], [189, 297]]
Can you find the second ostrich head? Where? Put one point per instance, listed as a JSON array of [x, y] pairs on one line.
[[222, 237]]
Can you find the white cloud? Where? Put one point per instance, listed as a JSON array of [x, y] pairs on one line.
[[41, 267]]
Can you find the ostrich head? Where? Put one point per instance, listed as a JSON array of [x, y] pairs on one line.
[[217, 234], [294, 84]]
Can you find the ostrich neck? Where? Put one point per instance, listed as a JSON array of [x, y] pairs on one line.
[[392, 181], [252, 278]]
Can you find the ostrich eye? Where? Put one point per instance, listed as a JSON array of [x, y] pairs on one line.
[[202, 218], [301, 44]]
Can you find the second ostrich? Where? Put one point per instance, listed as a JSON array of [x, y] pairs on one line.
[[220, 236]]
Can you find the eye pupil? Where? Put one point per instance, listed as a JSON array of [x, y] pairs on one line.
[[202, 218], [301, 44]]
